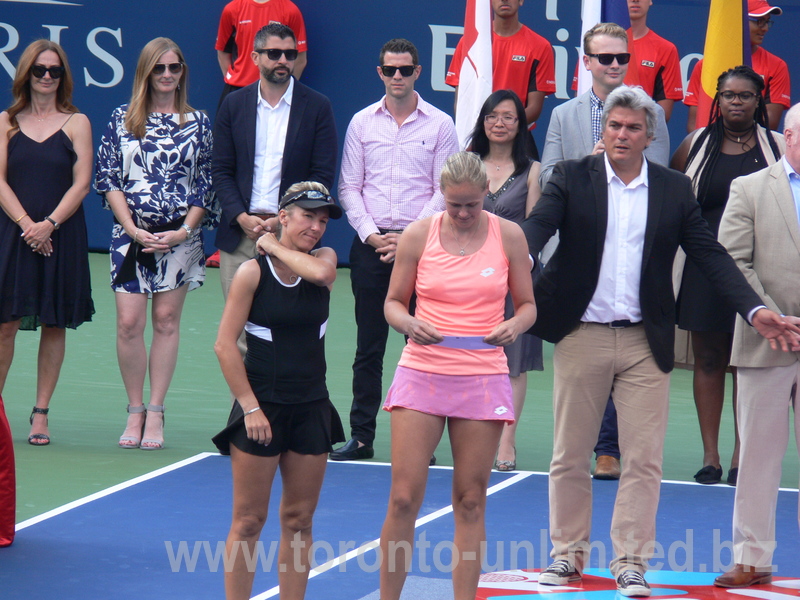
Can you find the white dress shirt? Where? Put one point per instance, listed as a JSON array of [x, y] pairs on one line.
[[616, 296], [271, 125]]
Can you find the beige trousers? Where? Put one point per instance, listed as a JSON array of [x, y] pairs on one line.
[[589, 364], [767, 396]]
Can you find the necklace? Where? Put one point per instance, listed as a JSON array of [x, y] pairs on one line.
[[44, 118], [463, 249], [497, 166], [730, 134]]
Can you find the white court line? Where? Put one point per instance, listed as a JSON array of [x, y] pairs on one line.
[[113, 489], [372, 545]]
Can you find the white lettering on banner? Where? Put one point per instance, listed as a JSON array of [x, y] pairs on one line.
[[441, 53], [106, 57], [55, 32], [13, 41], [686, 62], [551, 10]]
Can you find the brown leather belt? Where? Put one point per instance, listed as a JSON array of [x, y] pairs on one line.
[[263, 215]]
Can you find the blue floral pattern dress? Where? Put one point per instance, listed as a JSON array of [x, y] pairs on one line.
[[162, 176]]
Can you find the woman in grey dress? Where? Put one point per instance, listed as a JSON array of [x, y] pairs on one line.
[[502, 141]]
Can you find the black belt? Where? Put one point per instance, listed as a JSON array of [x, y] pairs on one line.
[[263, 215], [622, 324], [383, 231], [136, 254]]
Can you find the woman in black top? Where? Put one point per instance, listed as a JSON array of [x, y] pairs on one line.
[[736, 142], [282, 416]]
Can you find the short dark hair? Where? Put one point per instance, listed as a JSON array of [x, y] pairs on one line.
[[399, 46], [278, 30], [522, 152]]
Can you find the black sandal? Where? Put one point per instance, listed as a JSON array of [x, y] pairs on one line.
[[39, 439]]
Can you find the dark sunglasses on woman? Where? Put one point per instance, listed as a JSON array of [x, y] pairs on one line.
[[174, 68], [39, 71]]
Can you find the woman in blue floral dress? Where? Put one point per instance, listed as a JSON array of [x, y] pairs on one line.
[[154, 171]]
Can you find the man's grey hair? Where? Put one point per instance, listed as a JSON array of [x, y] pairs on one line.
[[634, 98], [792, 119]]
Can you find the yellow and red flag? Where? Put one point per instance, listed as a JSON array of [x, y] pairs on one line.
[[727, 46]]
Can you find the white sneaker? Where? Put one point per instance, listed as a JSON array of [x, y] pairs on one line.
[[561, 572], [632, 583]]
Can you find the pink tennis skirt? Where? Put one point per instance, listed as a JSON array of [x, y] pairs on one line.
[[475, 397]]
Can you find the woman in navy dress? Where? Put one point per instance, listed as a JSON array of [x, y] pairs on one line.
[[154, 170], [45, 171]]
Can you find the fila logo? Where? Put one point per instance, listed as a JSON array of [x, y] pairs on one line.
[[517, 58], [648, 63], [487, 272]]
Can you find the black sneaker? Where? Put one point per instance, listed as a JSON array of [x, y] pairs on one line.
[[631, 583], [561, 572]]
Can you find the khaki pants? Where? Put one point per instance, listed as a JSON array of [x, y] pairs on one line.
[[588, 365], [767, 396]]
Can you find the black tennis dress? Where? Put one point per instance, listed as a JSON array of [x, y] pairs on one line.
[[285, 360]]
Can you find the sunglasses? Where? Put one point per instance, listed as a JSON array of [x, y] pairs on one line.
[[762, 23], [306, 195], [275, 53], [405, 71], [39, 71], [174, 68], [606, 59], [744, 97]]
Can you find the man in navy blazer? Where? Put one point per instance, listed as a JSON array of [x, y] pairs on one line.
[[267, 136], [605, 299]]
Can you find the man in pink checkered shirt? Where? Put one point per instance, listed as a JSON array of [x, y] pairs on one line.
[[393, 153]]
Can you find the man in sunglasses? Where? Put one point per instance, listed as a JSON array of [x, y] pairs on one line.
[[574, 130], [267, 136], [238, 25], [773, 69], [394, 151]]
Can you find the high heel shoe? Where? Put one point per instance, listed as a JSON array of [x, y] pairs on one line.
[[504, 466], [39, 439], [134, 441], [154, 443]]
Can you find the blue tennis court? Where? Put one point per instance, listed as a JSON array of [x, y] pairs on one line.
[[162, 536]]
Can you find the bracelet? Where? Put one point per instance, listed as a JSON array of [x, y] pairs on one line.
[[136, 236], [22, 217], [189, 231], [252, 410]]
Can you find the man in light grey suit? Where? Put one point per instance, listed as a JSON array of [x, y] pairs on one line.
[[574, 130], [761, 230]]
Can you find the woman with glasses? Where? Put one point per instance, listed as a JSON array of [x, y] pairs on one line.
[[736, 142], [45, 172], [154, 171], [502, 141], [282, 416]]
